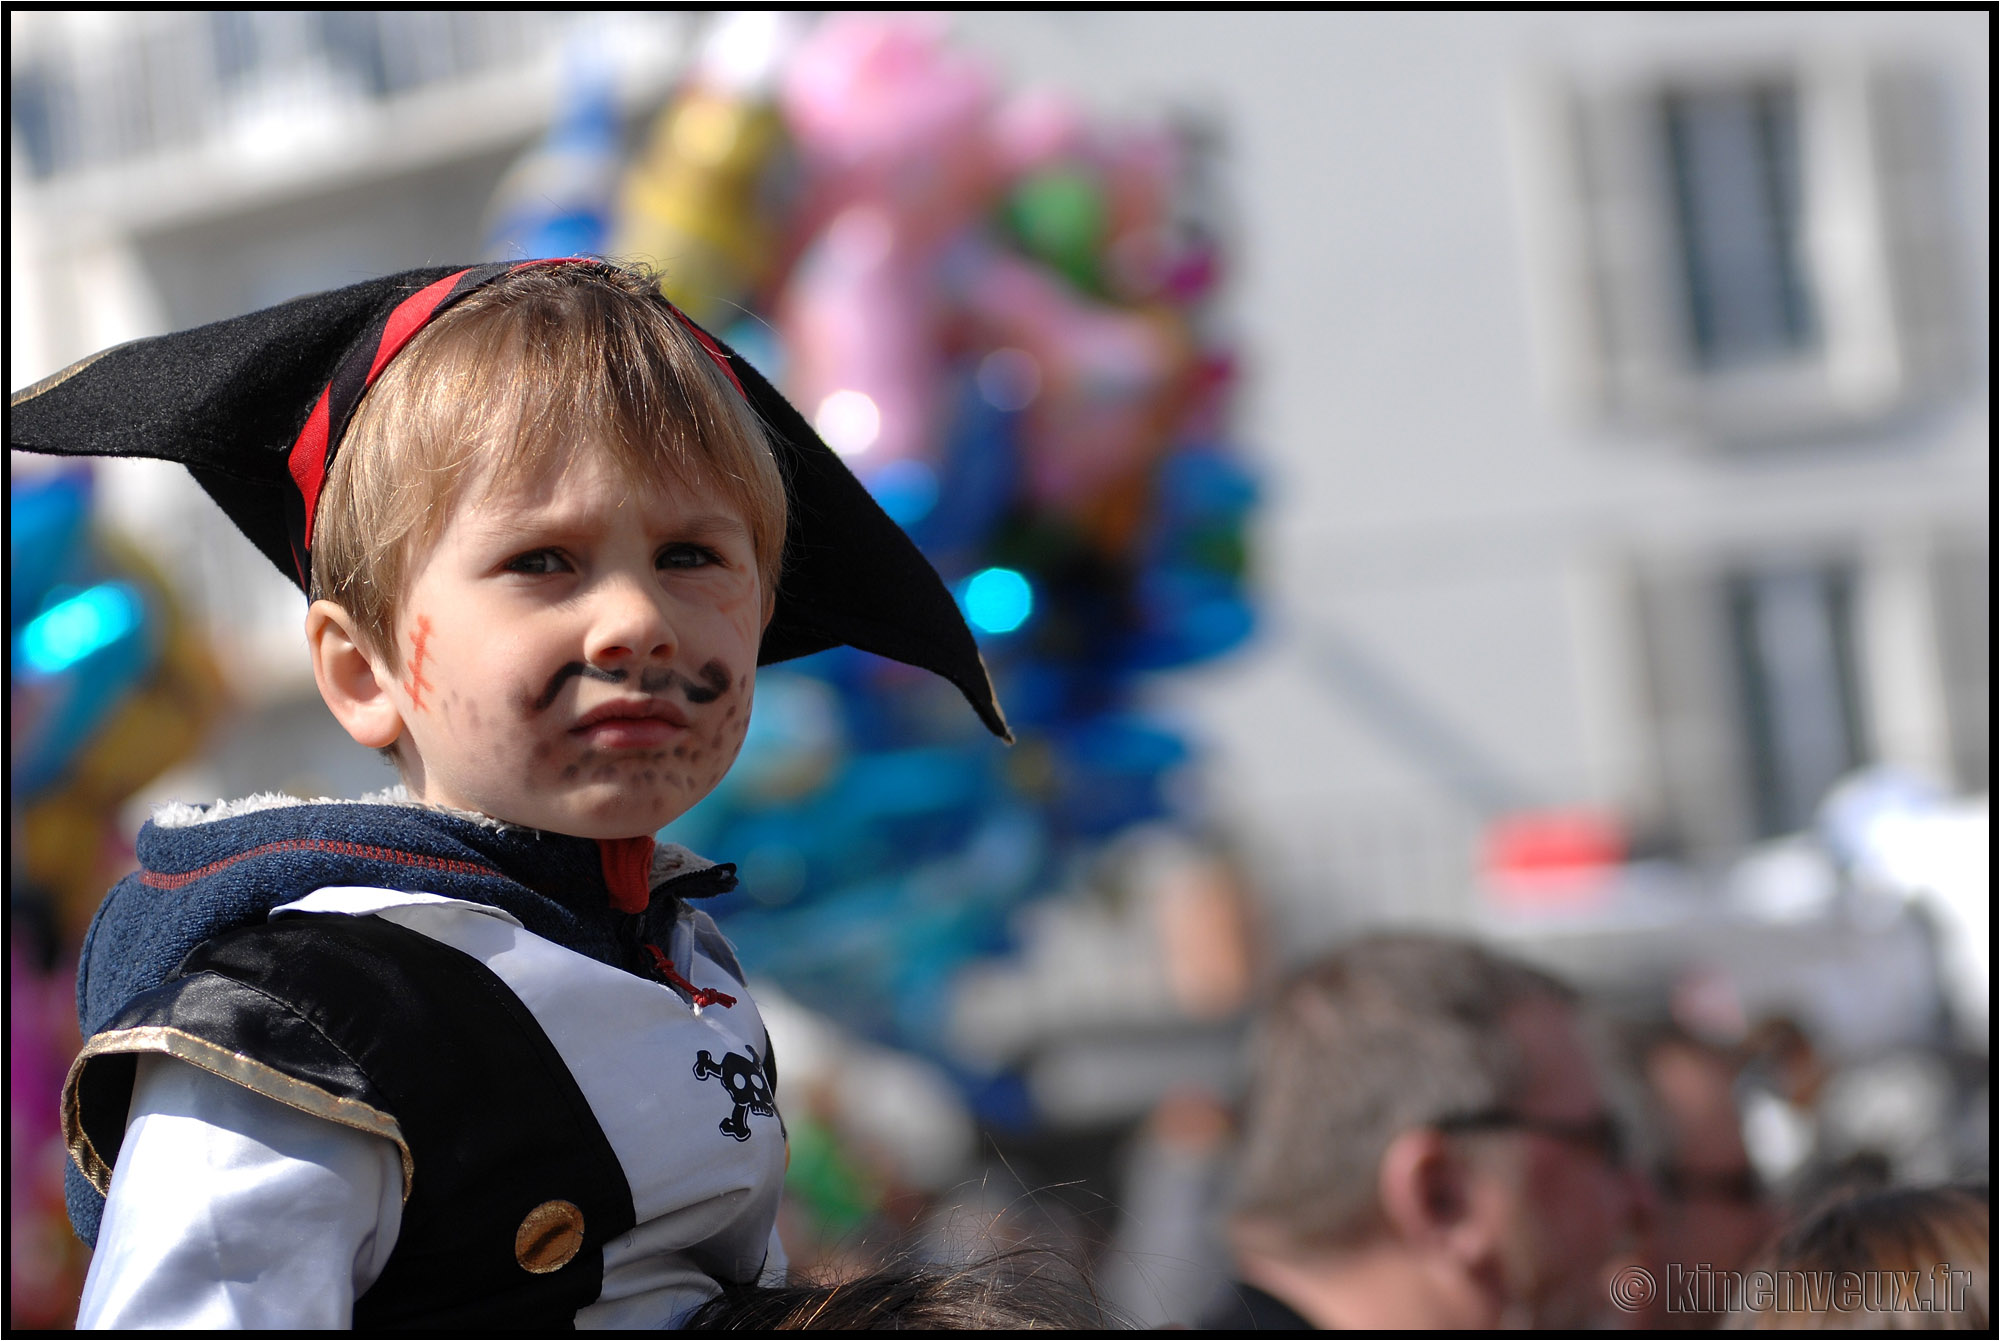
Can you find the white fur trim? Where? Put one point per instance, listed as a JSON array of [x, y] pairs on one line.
[[671, 859], [182, 814]]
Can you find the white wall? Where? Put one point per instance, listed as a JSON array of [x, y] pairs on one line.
[[1422, 497]]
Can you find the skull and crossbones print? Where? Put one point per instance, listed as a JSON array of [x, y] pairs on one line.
[[743, 1078]]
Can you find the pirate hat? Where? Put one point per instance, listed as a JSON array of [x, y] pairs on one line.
[[255, 406]]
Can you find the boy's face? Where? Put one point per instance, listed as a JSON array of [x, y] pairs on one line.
[[578, 655]]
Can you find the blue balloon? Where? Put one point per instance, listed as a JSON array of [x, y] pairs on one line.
[[978, 476], [48, 517], [77, 627], [907, 491], [997, 600], [556, 200], [1185, 616], [1112, 770], [1201, 481], [74, 663]]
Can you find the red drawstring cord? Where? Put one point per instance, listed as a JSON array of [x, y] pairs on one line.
[[703, 996]]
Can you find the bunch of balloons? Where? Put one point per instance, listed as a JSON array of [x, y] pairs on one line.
[[108, 687], [1001, 315]]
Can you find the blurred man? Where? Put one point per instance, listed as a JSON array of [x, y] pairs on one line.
[[1711, 1207], [1708, 1207], [1425, 1146]]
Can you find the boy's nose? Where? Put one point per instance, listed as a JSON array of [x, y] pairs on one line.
[[629, 620]]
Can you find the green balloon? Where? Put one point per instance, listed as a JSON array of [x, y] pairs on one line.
[[1059, 217]]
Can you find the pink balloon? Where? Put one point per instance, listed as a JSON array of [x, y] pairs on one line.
[[892, 129], [1112, 377]]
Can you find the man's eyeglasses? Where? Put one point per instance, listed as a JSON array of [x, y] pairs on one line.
[[1600, 1134], [1739, 1187]]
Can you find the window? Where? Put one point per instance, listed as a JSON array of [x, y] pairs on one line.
[[1754, 250], [1791, 635], [1962, 587], [1733, 161], [1764, 675], [90, 89]]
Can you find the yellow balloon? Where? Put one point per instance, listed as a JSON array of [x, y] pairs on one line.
[[690, 204]]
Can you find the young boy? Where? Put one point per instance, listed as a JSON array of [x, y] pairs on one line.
[[461, 1056]]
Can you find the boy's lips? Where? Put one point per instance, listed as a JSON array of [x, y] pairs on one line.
[[631, 722]]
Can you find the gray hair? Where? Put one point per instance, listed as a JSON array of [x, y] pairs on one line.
[[1386, 1034]]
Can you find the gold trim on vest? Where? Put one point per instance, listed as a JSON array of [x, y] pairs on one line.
[[248, 1072]]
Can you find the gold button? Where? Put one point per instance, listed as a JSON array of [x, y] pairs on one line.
[[549, 1236]]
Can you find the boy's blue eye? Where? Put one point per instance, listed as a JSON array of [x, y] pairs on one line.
[[687, 556], [537, 562]]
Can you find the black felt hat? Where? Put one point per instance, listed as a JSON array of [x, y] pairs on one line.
[[255, 406]]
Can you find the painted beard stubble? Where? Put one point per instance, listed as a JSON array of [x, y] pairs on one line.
[[692, 766]]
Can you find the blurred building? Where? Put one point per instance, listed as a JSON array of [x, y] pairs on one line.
[[1620, 379]]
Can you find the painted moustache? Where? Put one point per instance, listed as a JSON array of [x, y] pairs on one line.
[[712, 680]]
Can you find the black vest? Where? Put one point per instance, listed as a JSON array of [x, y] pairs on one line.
[[512, 1188]]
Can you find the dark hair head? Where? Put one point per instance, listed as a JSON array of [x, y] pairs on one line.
[[1019, 1291], [1937, 1237]]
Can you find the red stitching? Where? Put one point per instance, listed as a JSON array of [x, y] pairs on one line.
[[702, 996], [367, 852]]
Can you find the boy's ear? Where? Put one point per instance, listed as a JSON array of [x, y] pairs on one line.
[[354, 687]]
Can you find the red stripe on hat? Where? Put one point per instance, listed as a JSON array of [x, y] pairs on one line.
[[714, 350], [308, 459], [409, 318]]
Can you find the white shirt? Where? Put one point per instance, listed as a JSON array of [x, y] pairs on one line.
[[228, 1209]]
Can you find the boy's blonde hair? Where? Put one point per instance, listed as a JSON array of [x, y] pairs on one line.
[[500, 389]]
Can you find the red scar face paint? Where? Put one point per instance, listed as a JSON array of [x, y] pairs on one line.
[[416, 684], [597, 644]]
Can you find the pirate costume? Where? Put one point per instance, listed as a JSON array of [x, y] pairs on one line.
[[405, 1066]]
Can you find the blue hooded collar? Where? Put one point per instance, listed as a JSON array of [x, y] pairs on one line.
[[206, 870]]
